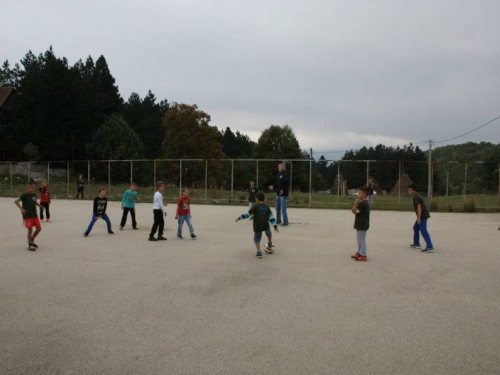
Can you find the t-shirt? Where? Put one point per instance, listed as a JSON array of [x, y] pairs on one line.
[[129, 198], [100, 205], [183, 205], [362, 219], [80, 183], [44, 194], [29, 204], [251, 194], [417, 199], [261, 216]]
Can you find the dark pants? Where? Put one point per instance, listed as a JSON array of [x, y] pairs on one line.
[[159, 223], [80, 191], [126, 210], [45, 206]]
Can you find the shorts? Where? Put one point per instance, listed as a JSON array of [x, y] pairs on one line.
[[32, 222], [257, 236]]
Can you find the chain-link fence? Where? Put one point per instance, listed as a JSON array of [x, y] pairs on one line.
[[447, 186]]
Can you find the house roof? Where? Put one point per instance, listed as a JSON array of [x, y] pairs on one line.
[[4, 94]]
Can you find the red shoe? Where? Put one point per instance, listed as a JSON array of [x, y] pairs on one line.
[[361, 258], [356, 255]]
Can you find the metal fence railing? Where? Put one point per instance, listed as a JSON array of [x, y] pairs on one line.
[[454, 186]]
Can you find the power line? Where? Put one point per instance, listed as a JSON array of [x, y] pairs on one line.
[[469, 132]]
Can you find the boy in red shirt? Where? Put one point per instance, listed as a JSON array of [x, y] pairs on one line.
[[44, 200], [183, 214]]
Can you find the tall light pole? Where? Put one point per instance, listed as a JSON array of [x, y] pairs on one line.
[[429, 178]]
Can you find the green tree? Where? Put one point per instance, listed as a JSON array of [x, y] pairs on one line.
[[236, 145], [116, 140]]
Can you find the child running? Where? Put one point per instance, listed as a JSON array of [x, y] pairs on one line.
[[100, 205], [361, 209], [128, 205], [44, 200], [183, 214], [159, 212], [421, 224], [30, 216], [262, 216]]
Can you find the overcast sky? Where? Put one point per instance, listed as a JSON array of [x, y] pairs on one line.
[[343, 74]]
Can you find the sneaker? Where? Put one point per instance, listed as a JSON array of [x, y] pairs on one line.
[[42, 220], [161, 238], [111, 232], [121, 228], [413, 246], [179, 237], [259, 254], [85, 235], [428, 250], [193, 236], [135, 228], [355, 255], [34, 245], [31, 248], [49, 221], [361, 258], [151, 238]]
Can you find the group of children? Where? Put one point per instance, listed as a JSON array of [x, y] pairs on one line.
[[258, 211]]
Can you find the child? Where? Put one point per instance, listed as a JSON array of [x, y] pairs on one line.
[[371, 191], [159, 212], [44, 200], [252, 190], [262, 216], [30, 216], [128, 205], [100, 205], [421, 223], [361, 209], [80, 183], [183, 214]]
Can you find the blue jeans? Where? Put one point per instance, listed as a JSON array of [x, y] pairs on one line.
[[181, 220], [281, 203], [421, 228], [93, 220]]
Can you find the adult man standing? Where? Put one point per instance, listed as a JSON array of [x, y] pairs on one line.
[[281, 188]]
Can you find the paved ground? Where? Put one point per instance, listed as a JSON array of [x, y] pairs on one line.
[[122, 305]]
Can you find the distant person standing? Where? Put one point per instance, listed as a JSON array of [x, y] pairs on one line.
[[421, 224], [44, 200], [281, 188], [80, 183], [370, 186], [252, 190]]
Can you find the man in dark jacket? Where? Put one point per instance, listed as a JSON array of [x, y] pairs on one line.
[[281, 188]]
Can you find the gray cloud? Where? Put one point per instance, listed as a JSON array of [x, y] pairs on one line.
[[386, 70]]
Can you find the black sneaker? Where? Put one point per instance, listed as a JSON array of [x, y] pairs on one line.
[[34, 245], [85, 235], [31, 248], [180, 237], [121, 228], [193, 236], [259, 254], [111, 232], [161, 238], [135, 228], [151, 238]]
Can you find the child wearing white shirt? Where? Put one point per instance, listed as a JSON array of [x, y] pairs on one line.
[[159, 212]]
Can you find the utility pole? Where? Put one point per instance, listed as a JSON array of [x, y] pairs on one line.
[[429, 178]]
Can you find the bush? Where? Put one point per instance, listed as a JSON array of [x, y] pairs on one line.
[[469, 206]]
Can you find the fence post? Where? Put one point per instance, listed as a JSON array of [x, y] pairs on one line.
[[399, 184], [367, 172], [257, 177], [48, 172], [180, 177], [154, 175], [447, 181], [291, 182], [29, 171], [11, 176], [310, 181], [232, 180], [465, 183], [338, 182], [109, 178], [88, 175], [206, 178], [67, 173], [131, 171]]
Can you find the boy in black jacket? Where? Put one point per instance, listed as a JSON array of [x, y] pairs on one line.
[[100, 205]]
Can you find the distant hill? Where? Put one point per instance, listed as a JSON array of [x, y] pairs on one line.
[[467, 152]]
